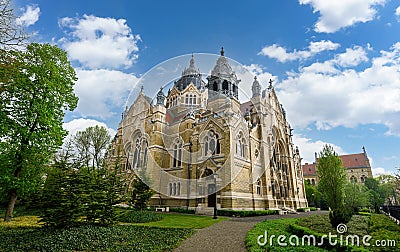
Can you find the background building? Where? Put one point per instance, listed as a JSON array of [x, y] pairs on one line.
[[357, 166]]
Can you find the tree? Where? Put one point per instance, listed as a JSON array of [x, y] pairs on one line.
[[356, 196], [11, 34], [37, 88], [332, 179], [92, 144]]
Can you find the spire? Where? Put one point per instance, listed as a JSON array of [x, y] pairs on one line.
[[270, 84], [222, 51], [160, 97], [192, 62], [256, 87]]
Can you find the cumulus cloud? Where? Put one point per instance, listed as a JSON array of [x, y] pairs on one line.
[[81, 124], [100, 42], [29, 17], [100, 91], [380, 171], [335, 15], [308, 148], [397, 11], [328, 96], [280, 53]]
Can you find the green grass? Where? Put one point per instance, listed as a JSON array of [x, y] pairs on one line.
[[183, 221], [130, 216]]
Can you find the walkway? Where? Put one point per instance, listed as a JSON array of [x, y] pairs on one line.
[[228, 235]]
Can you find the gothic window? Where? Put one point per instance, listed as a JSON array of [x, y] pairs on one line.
[[140, 153], [194, 99], [177, 153], [240, 145], [178, 189], [187, 99], [313, 182], [170, 189], [174, 189], [212, 144], [190, 99], [362, 179], [215, 86], [353, 179], [258, 187], [225, 85]]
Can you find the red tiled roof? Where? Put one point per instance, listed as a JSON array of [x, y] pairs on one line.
[[309, 169], [354, 160]]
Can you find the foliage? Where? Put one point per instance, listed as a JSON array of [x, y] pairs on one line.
[[36, 89], [382, 228], [276, 228], [11, 34], [92, 144], [141, 193], [379, 190], [93, 238], [182, 210], [356, 196], [303, 209], [246, 213], [142, 216], [72, 196], [332, 180]]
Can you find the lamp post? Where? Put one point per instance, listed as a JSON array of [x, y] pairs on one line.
[[215, 175]]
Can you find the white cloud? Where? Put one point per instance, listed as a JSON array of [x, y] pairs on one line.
[[280, 53], [397, 12], [352, 57], [308, 148], [335, 15], [81, 124], [100, 42], [327, 96], [101, 91], [379, 171], [29, 17]]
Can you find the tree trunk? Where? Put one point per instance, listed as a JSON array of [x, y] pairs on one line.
[[10, 206]]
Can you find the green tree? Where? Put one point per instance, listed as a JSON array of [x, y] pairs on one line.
[[92, 144], [356, 196], [36, 89], [332, 180]]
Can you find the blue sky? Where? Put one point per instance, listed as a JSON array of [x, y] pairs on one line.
[[335, 64]]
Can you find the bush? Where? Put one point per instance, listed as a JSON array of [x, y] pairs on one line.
[[139, 216], [339, 216], [182, 210], [303, 209], [246, 213], [313, 209]]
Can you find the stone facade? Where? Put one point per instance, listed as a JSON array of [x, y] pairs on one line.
[[199, 147]]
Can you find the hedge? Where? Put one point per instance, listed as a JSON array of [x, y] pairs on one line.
[[246, 213]]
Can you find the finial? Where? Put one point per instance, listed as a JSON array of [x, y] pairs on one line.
[[192, 61], [222, 51], [270, 83], [255, 77], [141, 89]]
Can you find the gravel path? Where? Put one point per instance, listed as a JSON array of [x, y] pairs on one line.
[[228, 235]]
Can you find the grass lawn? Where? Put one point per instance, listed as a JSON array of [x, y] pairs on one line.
[[183, 221], [24, 233]]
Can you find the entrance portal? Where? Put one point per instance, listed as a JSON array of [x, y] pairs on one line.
[[212, 196]]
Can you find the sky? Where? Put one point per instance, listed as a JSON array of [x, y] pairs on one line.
[[335, 64]]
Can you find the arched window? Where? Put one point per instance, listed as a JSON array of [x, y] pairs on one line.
[[353, 179], [174, 189], [177, 153], [225, 85], [215, 86], [190, 99], [212, 144], [363, 179], [258, 187], [240, 145], [187, 99], [178, 189], [194, 99], [313, 182], [140, 153], [170, 189]]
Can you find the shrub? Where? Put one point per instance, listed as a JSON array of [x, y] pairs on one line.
[[139, 216], [313, 209], [339, 216], [246, 213], [182, 210], [303, 209]]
